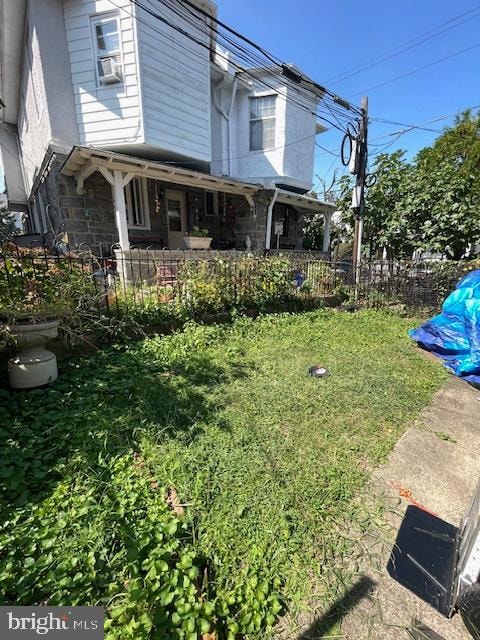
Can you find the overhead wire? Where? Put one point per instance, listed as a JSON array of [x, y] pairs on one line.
[[239, 68], [411, 127], [269, 55], [165, 35], [407, 47], [417, 70], [328, 97]]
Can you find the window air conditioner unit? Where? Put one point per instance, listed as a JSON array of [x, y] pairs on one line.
[[109, 71]]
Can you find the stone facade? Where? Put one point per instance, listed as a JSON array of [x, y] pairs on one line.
[[88, 220]]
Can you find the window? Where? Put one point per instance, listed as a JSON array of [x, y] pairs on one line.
[[174, 214], [136, 199], [211, 204], [107, 48], [262, 123]]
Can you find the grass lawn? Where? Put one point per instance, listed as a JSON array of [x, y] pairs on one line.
[[261, 464]]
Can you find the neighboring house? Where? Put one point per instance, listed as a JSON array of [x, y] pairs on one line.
[[118, 129]]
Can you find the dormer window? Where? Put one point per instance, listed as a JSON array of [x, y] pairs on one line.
[[107, 48], [262, 123]]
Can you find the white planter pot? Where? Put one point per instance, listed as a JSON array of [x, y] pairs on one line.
[[192, 242], [34, 365]]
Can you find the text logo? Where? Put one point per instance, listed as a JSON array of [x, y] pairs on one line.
[[58, 623]]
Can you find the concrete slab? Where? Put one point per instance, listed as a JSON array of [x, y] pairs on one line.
[[439, 472]]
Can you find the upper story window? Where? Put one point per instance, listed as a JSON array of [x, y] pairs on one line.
[[136, 200], [262, 123], [107, 48]]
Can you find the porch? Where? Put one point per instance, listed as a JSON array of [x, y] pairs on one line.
[[138, 203]]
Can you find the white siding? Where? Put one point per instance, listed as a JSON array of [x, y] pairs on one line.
[[266, 165], [291, 160], [300, 135], [108, 115], [175, 77], [34, 128]]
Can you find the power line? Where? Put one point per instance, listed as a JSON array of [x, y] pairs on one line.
[[207, 46], [410, 127], [260, 62], [409, 73], [405, 47], [270, 56], [327, 150], [402, 124]]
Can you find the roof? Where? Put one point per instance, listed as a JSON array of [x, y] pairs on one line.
[[303, 202], [83, 161], [82, 157]]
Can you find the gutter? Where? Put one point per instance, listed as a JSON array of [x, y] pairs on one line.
[[269, 218]]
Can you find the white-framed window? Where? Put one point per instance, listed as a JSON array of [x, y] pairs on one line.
[[136, 199], [262, 122], [107, 48]]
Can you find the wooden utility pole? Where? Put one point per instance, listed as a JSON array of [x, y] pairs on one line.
[[358, 198]]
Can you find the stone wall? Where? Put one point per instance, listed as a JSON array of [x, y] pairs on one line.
[[79, 220], [88, 220]]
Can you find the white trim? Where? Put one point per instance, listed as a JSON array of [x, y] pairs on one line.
[[140, 77], [262, 119], [120, 210], [268, 233], [106, 160], [142, 206], [99, 18]]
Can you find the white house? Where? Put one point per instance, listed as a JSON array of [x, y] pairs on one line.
[[119, 127]]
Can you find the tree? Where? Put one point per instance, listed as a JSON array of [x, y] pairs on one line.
[[7, 225], [431, 204], [385, 225], [442, 201]]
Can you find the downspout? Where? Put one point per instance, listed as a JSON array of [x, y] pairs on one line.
[[269, 218], [229, 124], [227, 116]]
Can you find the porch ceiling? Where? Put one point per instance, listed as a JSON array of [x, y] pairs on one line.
[[83, 161]]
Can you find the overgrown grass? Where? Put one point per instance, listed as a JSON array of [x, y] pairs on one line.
[[267, 461]]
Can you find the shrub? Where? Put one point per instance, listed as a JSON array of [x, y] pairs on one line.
[[34, 287], [222, 284]]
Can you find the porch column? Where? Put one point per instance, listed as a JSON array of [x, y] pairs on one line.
[[120, 209], [327, 217]]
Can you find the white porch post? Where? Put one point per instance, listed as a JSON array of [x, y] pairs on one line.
[[326, 232], [120, 210]]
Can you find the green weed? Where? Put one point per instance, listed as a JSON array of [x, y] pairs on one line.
[[268, 462]]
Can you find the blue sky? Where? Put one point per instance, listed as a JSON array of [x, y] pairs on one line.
[[326, 39]]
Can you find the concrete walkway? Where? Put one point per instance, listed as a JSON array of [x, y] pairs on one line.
[[437, 464]]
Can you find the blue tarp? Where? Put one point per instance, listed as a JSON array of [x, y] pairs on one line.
[[454, 335]]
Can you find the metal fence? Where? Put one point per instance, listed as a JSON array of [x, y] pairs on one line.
[[215, 281]]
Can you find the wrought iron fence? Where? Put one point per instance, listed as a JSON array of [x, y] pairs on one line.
[[141, 280]]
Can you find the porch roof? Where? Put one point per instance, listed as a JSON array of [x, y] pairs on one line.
[[304, 202], [83, 161]]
